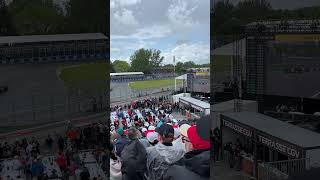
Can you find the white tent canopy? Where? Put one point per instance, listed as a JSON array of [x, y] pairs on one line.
[[175, 98], [182, 77], [196, 104]]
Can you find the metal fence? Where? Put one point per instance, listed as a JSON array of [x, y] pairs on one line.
[[126, 94], [277, 170], [281, 170], [293, 116], [41, 110]]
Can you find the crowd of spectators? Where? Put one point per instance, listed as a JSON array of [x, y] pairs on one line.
[[147, 142], [65, 150]]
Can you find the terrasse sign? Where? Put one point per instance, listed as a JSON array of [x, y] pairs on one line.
[[237, 128], [281, 147]]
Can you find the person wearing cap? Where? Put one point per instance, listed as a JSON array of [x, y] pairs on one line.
[[161, 156], [143, 140], [152, 138], [196, 162], [133, 158], [120, 143]]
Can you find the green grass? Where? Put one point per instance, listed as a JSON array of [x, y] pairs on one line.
[[86, 76], [152, 84], [221, 63]]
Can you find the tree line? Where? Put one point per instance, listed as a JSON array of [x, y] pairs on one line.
[[149, 60], [227, 18], [30, 17]]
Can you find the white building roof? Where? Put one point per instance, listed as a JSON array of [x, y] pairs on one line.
[[51, 38], [196, 102], [126, 73]]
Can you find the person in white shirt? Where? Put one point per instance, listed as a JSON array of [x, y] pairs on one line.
[[29, 149]]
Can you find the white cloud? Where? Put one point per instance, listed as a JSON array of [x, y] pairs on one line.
[[197, 52], [122, 58], [123, 3], [146, 33], [125, 17], [112, 4], [114, 50], [179, 14], [128, 2]]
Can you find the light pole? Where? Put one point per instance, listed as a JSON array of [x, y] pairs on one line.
[[174, 74]]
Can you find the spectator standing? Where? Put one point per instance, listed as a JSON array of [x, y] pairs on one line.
[[94, 104], [100, 103], [37, 169], [61, 161], [195, 164], [121, 142], [61, 144], [133, 158], [216, 148], [161, 156], [49, 141], [115, 167]]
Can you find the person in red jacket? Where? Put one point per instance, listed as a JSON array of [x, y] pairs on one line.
[[61, 161]]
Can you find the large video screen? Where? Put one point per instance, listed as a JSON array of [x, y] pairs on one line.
[[293, 66]]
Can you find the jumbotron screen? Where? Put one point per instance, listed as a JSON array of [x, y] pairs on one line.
[[293, 66]]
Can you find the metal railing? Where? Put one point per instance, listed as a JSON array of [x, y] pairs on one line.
[[49, 109], [126, 94], [281, 170], [277, 170], [292, 116]]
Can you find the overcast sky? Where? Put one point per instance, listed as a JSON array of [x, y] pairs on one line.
[[176, 27]]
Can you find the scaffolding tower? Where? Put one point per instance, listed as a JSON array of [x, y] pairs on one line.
[[257, 34], [237, 71]]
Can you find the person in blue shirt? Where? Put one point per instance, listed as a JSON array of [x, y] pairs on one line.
[[37, 168]]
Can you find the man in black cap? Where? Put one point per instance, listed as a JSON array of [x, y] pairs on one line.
[[161, 156]]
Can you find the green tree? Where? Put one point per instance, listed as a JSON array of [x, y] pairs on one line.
[[180, 68], [36, 17], [145, 60], [252, 10], [221, 12], [155, 59], [189, 64], [6, 26], [121, 66], [111, 68], [87, 16], [140, 61], [168, 66]]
